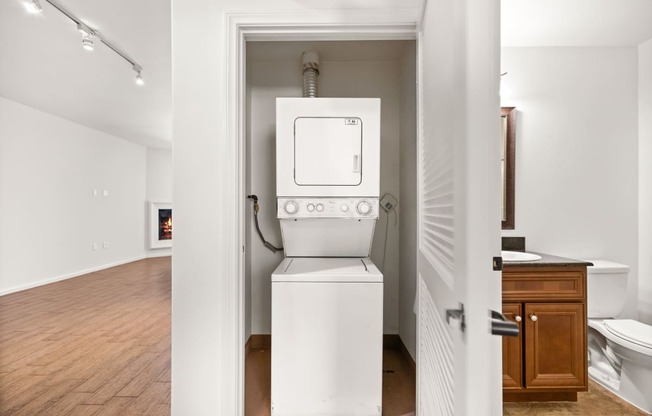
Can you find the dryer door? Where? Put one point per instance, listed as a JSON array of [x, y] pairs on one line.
[[328, 151]]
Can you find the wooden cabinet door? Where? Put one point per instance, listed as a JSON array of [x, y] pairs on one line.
[[555, 347], [513, 349]]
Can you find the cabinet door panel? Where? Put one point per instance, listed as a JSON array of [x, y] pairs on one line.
[[513, 350], [555, 351]]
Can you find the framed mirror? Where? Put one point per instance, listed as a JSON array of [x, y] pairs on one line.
[[508, 122]]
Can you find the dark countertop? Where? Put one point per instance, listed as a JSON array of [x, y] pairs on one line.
[[546, 261]]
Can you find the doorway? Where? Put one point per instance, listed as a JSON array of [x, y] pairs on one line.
[[379, 68]]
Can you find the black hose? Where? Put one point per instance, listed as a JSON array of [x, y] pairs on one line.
[[266, 243]]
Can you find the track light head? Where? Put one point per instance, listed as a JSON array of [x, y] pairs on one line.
[[33, 6], [139, 79], [87, 42]]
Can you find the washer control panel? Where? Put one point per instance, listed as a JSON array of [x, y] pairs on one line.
[[327, 207]]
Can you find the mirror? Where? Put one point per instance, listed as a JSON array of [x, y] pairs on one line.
[[508, 119]]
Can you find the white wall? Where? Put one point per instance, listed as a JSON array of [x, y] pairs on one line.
[[408, 201], [49, 217], [576, 152], [159, 189], [347, 78], [645, 180]]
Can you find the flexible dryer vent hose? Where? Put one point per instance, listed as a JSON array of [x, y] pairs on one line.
[[310, 73]]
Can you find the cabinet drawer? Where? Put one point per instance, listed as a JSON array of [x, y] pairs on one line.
[[544, 285]]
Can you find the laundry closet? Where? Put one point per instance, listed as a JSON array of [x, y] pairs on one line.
[[384, 70]]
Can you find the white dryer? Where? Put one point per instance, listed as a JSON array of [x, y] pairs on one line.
[[327, 175], [327, 337], [327, 147]]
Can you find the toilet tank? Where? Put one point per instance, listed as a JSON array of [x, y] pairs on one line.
[[606, 288]]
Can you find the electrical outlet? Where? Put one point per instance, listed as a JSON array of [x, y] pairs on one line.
[[388, 202], [105, 192], [94, 246], [105, 244]]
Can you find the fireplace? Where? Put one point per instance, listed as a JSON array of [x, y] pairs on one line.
[[165, 224], [160, 225]]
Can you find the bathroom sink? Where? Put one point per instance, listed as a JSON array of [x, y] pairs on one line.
[[514, 256]]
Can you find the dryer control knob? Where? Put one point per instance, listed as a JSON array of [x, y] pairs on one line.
[[291, 207], [344, 207], [320, 207], [310, 207], [364, 207]]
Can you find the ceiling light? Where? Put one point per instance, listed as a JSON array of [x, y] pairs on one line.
[[88, 34], [87, 42], [33, 6]]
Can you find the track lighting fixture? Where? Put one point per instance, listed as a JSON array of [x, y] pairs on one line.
[[33, 6], [87, 42], [88, 34]]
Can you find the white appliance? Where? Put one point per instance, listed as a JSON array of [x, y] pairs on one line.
[[327, 296], [327, 337], [327, 147], [327, 175]]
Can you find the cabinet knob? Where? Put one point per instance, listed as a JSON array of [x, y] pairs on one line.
[[517, 318], [533, 317]]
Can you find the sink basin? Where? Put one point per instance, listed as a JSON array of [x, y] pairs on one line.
[[515, 256]]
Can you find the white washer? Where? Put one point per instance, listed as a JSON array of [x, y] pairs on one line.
[[327, 337]]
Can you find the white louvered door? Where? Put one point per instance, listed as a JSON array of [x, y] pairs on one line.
[[459, 208]]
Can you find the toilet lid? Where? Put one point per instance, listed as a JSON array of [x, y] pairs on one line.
[[631, 330]]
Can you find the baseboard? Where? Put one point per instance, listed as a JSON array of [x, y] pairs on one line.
[[159, 253], [43, 282]]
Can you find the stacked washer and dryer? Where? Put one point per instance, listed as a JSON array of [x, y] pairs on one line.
[[327, 295]]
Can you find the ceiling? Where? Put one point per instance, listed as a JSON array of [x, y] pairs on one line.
[[45, 67]]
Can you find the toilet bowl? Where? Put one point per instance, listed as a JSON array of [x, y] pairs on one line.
[[620, 350]]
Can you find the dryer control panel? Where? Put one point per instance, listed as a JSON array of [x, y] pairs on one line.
[[295, 208]]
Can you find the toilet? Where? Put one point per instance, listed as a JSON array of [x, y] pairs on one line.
[[620, 350]]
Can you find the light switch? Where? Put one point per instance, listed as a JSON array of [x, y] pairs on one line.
[[105, 193]]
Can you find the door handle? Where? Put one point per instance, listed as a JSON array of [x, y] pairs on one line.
[[502, 326], [356, 163]]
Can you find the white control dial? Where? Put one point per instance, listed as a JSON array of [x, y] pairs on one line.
[[310, 207], [364, 207], [344, 207], [320, 207], [291, 207]]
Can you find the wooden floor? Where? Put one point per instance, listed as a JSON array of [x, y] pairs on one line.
[[97, 344], [398, 383], [598, 401]]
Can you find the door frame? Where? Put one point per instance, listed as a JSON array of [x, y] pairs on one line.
[[326, 25]]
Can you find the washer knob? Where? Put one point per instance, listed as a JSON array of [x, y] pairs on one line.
[[320, 207], [364, 207], [344, 207], [311, 207], [291, 207]]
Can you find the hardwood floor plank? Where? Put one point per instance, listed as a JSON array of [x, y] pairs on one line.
[[69, 347]]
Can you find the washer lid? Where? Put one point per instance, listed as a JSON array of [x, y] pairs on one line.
[[324, 269], [631, 330]]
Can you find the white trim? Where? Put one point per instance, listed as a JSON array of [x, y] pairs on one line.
[[355, 25], [68, 276]]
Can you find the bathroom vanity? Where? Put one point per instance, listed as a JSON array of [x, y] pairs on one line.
[[547, 299]]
